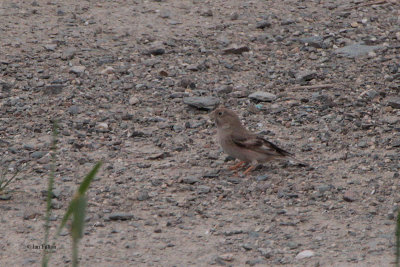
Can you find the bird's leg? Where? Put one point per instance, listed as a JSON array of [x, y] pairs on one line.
[[237, 166], [252, 167]]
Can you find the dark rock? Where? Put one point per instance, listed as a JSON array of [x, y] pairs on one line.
[[287, 22], [202, 102], [190, 180], [394, 102], [396, 142], [144, 195], [236, 50], [207, 13], [119, 216], [256, 262], [323, 188], [304, 76], [211, 174], [203, 189], [266, 252], [263, 177], [5, 196], [314, 41], [73, 110], [263, 24], [233, 232], [38, 154], [349, 196], [53, 89], [5, 87], [225, 89], [157, 49], [187, 83]]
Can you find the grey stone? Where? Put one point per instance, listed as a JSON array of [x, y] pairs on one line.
[[187, 83], [256, 262], [202, 102], [224, 89], [266, 252], [5, 197], [73, 110], [190, 180], [5, 87], [68, 53], [207, 13], [203, 189], [292, 245], [53, 89], [262, 96], [349, 196], [234, 49], [305, 254], [144, 195], [394, 102], [193, 67], [165, 14], [371, 94], [323, 188], [38, 154], [263, 177], [156, 49], [287, 22], [102, 127], [233, 232], [263, 24], [120, 216], [396, 142], [50, 47], [362, 144], [314, 41], [55, 204], [77, 69], [307, 75], [356, 50]]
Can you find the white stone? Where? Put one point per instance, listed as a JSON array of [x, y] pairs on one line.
[[262, 96], [108, 70], [77, 69], [102, 127], [305, 254], [133, 100]]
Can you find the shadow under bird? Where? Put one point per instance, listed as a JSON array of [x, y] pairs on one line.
[[242, 144]]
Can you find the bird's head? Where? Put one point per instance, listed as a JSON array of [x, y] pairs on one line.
[[225, 118]]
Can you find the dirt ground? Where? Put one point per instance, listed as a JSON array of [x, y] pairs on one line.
[[117, 75]]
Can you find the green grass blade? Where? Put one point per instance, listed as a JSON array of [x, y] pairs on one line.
[[79, 218], [88, 179], [67, 215], [78, 222]]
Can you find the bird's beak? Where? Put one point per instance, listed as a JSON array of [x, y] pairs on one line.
[[212, 118], [212, 115]]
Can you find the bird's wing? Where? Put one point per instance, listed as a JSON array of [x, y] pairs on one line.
[[258, 144]]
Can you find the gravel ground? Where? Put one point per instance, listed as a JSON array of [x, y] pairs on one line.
[[132, 83]]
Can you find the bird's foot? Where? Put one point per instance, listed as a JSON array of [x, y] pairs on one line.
[[237, 166], [249, 170]]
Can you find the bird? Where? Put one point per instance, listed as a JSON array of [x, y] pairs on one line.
[[239, 143]]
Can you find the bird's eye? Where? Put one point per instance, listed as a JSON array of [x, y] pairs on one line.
[[220, 113]]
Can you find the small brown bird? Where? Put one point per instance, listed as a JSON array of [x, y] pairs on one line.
[[241, 144]]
